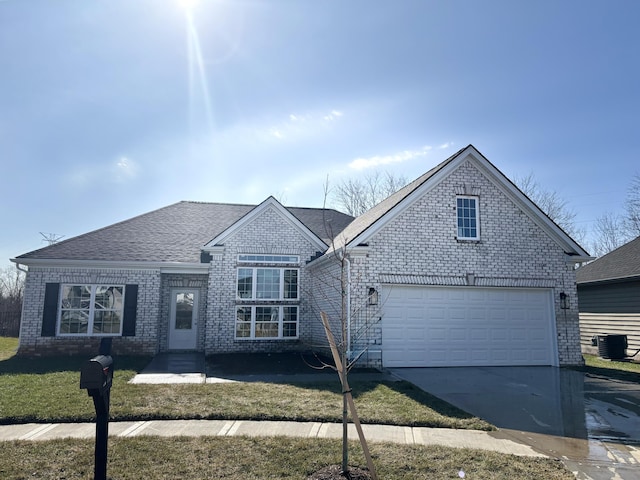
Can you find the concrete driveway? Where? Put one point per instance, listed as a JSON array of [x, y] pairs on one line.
[[592, 423]]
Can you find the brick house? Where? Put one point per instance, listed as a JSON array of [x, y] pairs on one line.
[[457, 268]]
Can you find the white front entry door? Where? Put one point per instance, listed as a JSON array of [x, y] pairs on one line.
[[183, 320]]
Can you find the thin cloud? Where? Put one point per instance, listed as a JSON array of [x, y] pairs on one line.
[[297, 125], [119, 171], [125, 169], [334, 115], [375, 161]]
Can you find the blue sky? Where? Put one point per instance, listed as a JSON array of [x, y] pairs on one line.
[[109, 109]]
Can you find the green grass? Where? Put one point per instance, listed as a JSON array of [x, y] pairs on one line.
[[8, 347], [258, 458], [47, 390], [626, 371]]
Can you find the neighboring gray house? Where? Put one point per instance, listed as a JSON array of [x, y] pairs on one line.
[[457, 268], [609, 296]]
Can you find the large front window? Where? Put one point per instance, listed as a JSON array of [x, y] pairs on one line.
[[266, 321], [91, 310], [268, 297], [267, 283]]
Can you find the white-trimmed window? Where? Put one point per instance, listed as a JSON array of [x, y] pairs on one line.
[[256, 258], [468, 218], [262, 283], [266, 321], [268, 293], [91, 310]]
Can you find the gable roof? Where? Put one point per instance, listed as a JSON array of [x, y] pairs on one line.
[[363, 227], [176, 233], [621, 263], [269, 204]]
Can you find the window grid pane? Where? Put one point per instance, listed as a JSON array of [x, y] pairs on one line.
[[269, 258], [91, 310], [290, 322], [243, 322], [290, 284], [467, 218], [267, 322], [268, 283], [245, 283]]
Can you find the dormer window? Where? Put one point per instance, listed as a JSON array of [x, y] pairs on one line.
[[468, 218]]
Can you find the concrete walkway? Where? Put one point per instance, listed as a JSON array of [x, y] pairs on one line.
[[225, 428]]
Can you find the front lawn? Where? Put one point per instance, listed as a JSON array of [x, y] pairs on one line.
[[626, 371], [47, 390], [8, 347], [239, 458]]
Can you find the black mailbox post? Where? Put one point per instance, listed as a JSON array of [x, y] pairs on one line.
[[96, 376]]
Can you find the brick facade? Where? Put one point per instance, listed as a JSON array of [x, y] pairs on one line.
[[145, 341], [420, 247], [269, 233], [417, 246]]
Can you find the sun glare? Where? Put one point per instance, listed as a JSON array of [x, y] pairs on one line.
[[188, 5]]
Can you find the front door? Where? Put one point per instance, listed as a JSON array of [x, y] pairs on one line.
[[183, 320]]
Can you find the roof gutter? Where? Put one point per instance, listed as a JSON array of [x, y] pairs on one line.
[[577, 258], [18, 264], [164, 267], [609, 280]]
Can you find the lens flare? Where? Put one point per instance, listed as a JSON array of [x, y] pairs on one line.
[[199, 97], [188, 4]]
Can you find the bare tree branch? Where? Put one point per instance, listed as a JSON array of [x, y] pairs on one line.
[[609, 234], [356, 196], [551, 203], [632, 207]]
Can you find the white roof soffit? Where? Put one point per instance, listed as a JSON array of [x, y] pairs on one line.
[[258, 210]]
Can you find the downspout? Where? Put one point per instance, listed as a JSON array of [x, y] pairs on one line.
[[21, 269], [23, 300], [348, 264]]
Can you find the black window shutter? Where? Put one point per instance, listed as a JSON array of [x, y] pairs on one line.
[[50, 313], [130, 309]]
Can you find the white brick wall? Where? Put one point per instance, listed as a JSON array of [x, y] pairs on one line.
[[145, 341], [420, 246], [269, 233]]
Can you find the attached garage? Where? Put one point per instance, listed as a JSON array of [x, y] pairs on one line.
[[467, 326]]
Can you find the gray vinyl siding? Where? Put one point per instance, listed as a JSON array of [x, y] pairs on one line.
[[610, 309], [620, 297], [594, 324]]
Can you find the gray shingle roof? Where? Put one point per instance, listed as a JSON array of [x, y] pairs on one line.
[[623, 262], [175, 233]]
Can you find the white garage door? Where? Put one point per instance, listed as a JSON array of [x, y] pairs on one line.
[[458, 326]]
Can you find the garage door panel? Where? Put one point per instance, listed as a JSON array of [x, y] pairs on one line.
[[480, 355], [499, 355], [498, 335], [467, 326], [458, 334]]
